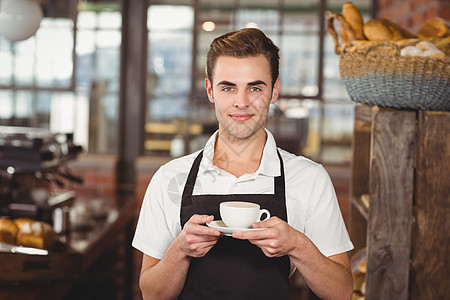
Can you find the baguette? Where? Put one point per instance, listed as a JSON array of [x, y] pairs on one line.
[[351, 13]]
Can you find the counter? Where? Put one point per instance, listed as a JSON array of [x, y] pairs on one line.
[[53, 276]]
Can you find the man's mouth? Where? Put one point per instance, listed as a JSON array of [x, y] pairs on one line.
[[241, 117]]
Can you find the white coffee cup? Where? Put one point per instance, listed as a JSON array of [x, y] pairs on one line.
[[239, 214]]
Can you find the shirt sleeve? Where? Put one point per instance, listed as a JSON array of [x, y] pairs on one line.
[[324, 223], [153, 235]]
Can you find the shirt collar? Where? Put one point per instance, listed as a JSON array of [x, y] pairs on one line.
[[270, 164]]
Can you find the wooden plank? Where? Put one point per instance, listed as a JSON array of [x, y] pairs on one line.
[[391, 199], [361, 151], [360, 174], [54, 266], [430, 257]]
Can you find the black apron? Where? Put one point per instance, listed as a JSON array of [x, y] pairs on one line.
[[235, 269]]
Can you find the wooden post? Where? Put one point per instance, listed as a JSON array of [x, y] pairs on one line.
[[430, 273], [360, 174], [391, 200]]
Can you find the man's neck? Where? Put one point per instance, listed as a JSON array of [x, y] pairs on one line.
[[239, 156]]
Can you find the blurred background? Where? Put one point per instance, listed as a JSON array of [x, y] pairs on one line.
[[126, 80]]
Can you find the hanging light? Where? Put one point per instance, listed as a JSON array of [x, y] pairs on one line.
[[19, 19]]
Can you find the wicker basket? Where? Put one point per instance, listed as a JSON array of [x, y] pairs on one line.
[[387, 79]]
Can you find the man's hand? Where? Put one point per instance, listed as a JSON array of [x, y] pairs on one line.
[[328, 277], [276, 240], [196, 239]]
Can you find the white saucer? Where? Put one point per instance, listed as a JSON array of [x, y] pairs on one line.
[[220, 225]]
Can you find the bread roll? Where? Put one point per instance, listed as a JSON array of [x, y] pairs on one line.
[[8, 231], [351, 13], [434, 27]]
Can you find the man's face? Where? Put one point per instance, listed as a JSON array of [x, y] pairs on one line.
[[242, 92]]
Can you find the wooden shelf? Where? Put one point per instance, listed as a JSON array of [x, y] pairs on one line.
[[400, 162]]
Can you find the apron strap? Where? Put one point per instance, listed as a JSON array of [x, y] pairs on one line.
[[190, 182], [280, 192]]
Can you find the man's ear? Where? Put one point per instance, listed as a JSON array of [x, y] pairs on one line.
[[275, 91], [209, 90]]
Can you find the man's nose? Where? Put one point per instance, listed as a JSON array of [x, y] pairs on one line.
[[241, 101]]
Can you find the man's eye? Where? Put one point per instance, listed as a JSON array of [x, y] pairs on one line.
[[255, 89], [228, 89]]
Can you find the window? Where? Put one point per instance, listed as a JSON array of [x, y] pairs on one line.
[[66, 78], [304, 116]]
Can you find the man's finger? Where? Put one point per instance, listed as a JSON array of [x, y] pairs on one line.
[[267, 223], [201, 219]]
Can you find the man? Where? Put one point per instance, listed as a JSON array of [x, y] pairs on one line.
[[185, 259]]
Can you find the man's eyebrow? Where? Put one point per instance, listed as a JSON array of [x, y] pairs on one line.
[[229, 83], [225, 82], [257, 82]]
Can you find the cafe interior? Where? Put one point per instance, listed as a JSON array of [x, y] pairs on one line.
[[96, 95]]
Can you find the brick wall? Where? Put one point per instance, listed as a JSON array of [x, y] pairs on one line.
[[411, 14], [98, 173]]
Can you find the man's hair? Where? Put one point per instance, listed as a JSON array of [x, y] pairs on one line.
[[243, 43]]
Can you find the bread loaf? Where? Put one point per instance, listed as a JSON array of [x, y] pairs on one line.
[[21, 222], [377, 30], [351, 13], [8, 231], [385, 30], [443, 44], [35, 234], [434, 27]]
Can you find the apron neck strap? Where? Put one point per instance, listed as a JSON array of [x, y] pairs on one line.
[[190, 182]]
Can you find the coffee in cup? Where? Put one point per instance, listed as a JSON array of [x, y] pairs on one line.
[[239, 214]]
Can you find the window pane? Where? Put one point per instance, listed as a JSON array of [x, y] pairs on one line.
[[24, 62], [87, 20], [266, 20], [111, 20], [170, 58], [299, 64], [6, 104], [98, 73], [54, 65], [169, 17], [6, 59]]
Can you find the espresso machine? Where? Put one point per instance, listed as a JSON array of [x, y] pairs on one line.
[[34, 172]]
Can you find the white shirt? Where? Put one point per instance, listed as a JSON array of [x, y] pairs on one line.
[[312, 206]]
